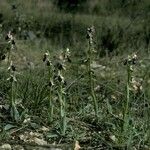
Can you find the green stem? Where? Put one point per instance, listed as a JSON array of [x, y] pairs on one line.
[[126, 110], [12, 102], [12, 93], [50, 106], [92, 82], [9, 57], [62, 110]]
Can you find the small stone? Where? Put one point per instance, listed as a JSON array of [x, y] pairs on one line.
[[5, 147], [18, 147], [40, 141], [113, 138]]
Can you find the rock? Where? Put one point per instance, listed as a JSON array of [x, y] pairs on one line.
[[5, 147], [40, 141], [18, 147]]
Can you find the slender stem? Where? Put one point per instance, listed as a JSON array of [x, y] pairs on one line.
[[126, 110], [92, 81], [12, 93], [9, 56], [62, 110], [50, 106], [12, 99]]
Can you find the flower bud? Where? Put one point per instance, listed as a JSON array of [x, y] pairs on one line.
[[3, 57], [60, 66], [12, 67], [48, 63], [50, 84], [60, 78], [45, 57]]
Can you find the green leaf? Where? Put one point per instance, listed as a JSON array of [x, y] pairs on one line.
[[51, 135], [8, 127], [14, 113], [34, 125], [109, 107]]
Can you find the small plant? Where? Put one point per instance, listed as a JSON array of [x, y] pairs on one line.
[[12, 79], [129, 62], [50, 68], [60, 68], [90, 32], [55, 77]]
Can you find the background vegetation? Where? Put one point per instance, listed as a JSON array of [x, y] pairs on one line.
[[51, 26]]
